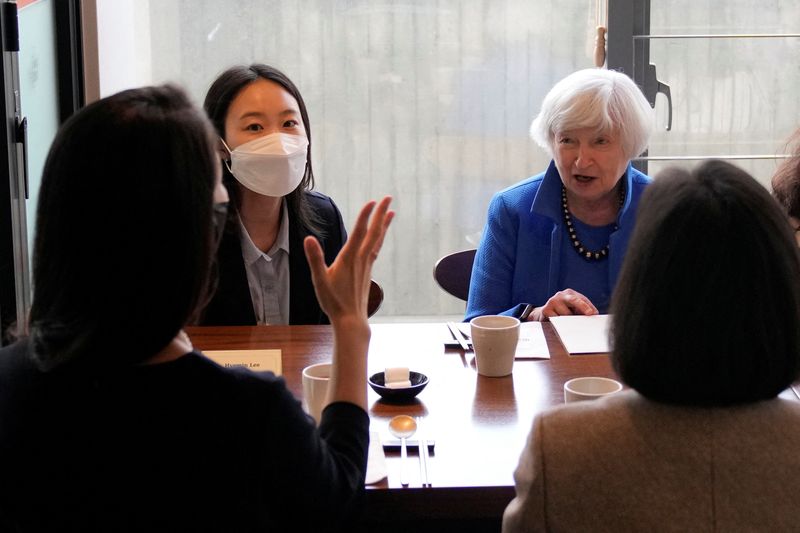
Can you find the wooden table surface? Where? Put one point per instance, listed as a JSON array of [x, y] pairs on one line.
[[480, 424]]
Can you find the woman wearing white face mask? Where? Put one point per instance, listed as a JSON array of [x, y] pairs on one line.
[[265, 144]]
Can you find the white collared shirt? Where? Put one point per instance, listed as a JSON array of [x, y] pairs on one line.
[[268, 274]]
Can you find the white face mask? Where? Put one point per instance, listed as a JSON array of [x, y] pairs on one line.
[[272, 165]]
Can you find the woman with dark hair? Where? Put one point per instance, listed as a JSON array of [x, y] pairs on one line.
[[706, 332], [786, 185], [265, 145], [109, 420]]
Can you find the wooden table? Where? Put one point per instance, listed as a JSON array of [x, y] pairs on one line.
[[480, 424]]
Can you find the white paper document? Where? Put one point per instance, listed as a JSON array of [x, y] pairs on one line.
[[531, 345], [583, 334]]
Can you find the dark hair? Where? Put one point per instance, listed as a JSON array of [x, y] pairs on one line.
[[707, 307], [217, 102], [124, 236], [786, 181]]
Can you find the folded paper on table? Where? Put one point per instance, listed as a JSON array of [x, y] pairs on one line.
[[255, 360], [376, 460], [583, 334], [532, 344]]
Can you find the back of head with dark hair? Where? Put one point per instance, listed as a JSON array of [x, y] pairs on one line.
[[707, 307], [124, 229], [786, 181], [216, 104]]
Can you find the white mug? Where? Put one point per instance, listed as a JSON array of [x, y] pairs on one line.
[[589, 388], [315, 389], [494, 338]]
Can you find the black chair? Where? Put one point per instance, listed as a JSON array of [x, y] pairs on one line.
[[453, 271]]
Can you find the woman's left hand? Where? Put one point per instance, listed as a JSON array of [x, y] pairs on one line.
[[566, 302]]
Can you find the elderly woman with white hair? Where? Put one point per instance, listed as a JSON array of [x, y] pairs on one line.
[[554, 243]]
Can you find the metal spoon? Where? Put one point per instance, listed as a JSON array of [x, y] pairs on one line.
[[403, 427]]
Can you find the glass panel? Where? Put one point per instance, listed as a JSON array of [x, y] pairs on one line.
[[726, 98], [730, 96], [39, 92], [429, 101], [738, 16], [761, 169]]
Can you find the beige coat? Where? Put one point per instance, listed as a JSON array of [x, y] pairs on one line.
[[629, 464]]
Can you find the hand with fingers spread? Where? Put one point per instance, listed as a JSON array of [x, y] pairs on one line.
[[342, 290], [566, 302]]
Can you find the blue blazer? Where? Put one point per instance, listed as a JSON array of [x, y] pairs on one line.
[[518, 260], [232, 305]]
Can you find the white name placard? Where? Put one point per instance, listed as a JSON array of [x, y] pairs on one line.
[[255, 360]]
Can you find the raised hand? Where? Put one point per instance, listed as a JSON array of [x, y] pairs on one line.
[[343, 288]]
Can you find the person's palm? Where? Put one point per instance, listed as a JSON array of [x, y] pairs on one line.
[[343, 288]]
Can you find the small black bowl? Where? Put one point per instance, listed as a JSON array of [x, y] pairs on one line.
[[418, 382]]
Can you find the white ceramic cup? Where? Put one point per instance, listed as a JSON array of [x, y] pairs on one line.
[[315, 389], [589, 388], [494, 338]]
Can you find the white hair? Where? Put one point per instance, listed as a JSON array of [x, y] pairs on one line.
[[602, 99]]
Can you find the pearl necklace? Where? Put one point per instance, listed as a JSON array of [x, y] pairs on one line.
[[579, 248]]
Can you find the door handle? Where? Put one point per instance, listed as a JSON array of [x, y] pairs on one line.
[[22, 138], [663, 88], [653, 86]]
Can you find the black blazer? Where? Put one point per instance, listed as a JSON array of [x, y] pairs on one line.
[[231, 304]]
